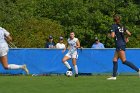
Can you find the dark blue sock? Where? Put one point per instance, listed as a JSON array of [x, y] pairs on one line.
[[131, 65], [115, 68]]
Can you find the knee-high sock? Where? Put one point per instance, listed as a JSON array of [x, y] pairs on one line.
[[115, 68], [14, 66], [131, 65], [76, 69], [67, 65]]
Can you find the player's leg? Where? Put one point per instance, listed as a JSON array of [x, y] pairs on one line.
[[75, 66], [125, 62], [64, 60], [74, 59], [7, 66], [115, 66]]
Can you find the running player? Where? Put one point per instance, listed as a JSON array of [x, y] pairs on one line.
[[72, 53], [5, 35], [118, 33]]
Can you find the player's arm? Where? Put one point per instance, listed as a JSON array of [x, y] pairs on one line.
[[8, 38], [7, 35], [77, 44], [113, 34], [128, 34]]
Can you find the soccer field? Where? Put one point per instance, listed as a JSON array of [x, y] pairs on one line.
[[62, 84]]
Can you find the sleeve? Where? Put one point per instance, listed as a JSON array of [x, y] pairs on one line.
[[6, 33], [76, 39], [113, 28]]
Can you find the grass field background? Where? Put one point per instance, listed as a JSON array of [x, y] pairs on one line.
[[62, 84]]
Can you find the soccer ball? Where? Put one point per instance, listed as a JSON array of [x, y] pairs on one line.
[[69, 73]]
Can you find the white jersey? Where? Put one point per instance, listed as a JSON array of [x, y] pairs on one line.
[[3, 34], [3, 44], [72, 44], [60, 46]]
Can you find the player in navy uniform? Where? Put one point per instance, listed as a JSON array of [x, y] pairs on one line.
[[118, 33]]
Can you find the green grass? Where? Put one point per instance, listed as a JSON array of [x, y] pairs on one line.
[[62, 84]]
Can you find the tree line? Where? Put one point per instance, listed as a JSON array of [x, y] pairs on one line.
[[30, 22]]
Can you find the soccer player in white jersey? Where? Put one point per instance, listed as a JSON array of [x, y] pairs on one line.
[[73, 44], [5, 36]]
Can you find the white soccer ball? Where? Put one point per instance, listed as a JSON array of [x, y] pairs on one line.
[[69, 73]]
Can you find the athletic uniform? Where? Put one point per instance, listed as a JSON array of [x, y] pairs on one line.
[[3, 44], [4, 50], [72, 53], [120, 45], [119, 38]]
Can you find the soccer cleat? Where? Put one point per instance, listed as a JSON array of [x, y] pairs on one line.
[[76, 75], [70, 69], [24, 67], [112, 78]]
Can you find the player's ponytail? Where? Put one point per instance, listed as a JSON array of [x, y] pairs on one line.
[[117, 19]]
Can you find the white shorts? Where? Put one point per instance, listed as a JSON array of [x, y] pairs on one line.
[[4, 50], [72, 55]]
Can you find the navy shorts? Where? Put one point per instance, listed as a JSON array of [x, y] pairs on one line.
[[119, 48]]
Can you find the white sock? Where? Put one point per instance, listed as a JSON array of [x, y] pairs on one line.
[[67, 65], [14, 66], [76, 69]]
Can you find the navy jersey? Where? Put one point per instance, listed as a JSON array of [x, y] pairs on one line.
[[119, 34], [50, 45]]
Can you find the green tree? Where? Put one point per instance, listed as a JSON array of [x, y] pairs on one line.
[[31, 21]]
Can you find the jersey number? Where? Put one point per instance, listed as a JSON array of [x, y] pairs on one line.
[[121, 30]]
